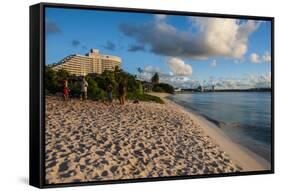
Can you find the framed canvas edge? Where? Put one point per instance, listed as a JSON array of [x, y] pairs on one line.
[[35, 97], [40, 170]]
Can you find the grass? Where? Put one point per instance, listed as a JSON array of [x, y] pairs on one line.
[[146, 97]]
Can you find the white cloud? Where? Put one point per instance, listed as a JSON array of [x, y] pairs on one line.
[[213, 63], [266, 57], [152, 69], [244, 82], [225, 37], [211, 37], [260, 81], [170, 78], [160, 17], [178, 67], [255, 58]]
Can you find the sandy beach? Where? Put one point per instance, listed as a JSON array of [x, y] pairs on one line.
[[94, 141]]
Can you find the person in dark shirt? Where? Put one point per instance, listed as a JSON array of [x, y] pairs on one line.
[[121, 93], [109, 93]]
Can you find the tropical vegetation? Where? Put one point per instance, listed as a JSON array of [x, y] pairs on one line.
[[97, 84]]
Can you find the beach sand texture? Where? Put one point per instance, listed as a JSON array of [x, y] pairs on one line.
[[92, 141]]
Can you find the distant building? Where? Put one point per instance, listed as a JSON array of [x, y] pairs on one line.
[[92, 62]]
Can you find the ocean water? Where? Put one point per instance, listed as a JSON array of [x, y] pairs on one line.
[[244, 116]]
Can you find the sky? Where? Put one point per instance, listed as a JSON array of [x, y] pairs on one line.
[[185, 51]]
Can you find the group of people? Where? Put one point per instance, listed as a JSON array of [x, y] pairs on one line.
[[84, 91]]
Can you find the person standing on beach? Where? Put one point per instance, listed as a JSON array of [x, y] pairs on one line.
[[109, 93], [65, 90], [121, 93], [84, 89]]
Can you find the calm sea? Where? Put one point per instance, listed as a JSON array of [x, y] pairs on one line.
[[244, 116]]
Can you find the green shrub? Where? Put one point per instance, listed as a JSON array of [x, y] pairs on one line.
[[94, 92], [52, 84], [147, 97]]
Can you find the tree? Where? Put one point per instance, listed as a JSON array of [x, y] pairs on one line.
[[51, 82], [155, 78], [62, 74], [162, 87]]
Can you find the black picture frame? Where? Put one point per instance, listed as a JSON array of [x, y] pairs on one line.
[[37, 94]]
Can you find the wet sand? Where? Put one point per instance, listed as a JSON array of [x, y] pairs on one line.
[[93, 141]]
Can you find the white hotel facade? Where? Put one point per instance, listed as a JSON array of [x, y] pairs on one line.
[[92, 62]]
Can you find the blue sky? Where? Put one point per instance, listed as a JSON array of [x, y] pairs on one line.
[[183, 50]]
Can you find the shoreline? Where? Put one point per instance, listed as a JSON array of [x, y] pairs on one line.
[[239, 154]]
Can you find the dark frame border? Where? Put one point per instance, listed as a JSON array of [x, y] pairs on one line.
[[37, 93]]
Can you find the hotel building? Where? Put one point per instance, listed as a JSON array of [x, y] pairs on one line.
[[92, 62]]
